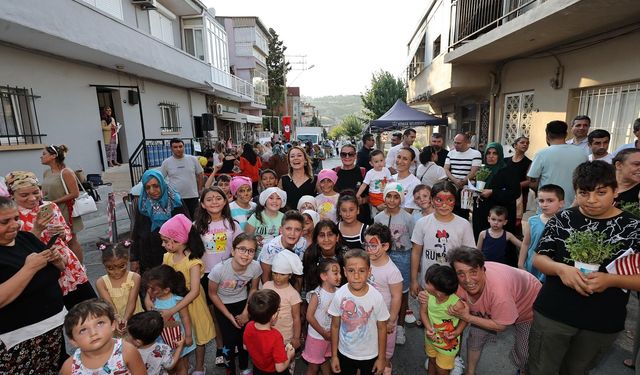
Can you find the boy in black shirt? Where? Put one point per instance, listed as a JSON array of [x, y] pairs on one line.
[[576, 316]]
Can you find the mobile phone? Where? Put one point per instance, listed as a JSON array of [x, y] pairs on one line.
[[45, 210], [53, 240]]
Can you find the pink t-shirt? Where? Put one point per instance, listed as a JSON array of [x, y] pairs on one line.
[[384, 276], [289, 296], [507, 297], [218, 242]]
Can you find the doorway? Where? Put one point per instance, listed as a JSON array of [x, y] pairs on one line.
[[111, 98]]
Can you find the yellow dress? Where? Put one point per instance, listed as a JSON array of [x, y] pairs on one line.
[[120, 296], [201, 320]]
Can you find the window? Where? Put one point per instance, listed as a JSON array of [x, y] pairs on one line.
[[18, 120], [170, 117], [193, 43], [612, 108], [161, 25], [436, 48], [517, 116], [113, 7]]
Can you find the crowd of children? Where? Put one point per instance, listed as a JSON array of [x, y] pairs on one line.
[[267, 283]]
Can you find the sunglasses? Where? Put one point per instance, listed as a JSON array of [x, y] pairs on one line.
[[347, 154]]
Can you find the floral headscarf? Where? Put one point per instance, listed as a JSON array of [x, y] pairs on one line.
[[20, 179], [159, 211]]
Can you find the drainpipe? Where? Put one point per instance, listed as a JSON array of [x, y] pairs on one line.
[[493, 92]]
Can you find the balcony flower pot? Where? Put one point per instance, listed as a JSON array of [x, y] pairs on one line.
[[589, 249]]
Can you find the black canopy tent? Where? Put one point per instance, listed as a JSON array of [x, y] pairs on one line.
[[401, 116]]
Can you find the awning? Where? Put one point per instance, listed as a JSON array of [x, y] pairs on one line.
[[401, 116], [254, 119], [232, 116]]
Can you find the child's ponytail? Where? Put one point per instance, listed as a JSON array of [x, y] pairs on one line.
[[196, 247]]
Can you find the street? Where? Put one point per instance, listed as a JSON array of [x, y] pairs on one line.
[[410, 357]]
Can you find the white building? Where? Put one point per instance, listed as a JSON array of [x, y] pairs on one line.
[[504, 68], [160, 64]]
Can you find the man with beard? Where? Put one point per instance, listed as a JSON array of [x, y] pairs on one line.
[[437, 142], [599, 143]]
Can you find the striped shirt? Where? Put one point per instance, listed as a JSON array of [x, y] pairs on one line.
[[461, 162]]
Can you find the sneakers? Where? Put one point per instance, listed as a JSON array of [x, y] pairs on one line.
[[400, 337], [219, 358], [246, 372], [426, 364], [409, 317], [458, 366]]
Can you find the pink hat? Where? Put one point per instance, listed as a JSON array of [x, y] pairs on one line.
[[327, 173], [238, 181], [177, 228]]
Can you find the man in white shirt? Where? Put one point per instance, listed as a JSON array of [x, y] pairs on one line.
[[599, 143], [461, 166], [184, 173], [580, 129], [408, 137]]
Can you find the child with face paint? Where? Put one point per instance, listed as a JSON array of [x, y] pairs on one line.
[[242, 207], [438, 233]]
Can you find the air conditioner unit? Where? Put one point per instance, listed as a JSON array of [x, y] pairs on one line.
[[218, 109], [145, 4]]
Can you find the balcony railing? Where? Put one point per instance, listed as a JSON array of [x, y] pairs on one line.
[[476, 17], [228, 80]]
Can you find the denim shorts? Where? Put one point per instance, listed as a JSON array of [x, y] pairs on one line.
[[402, 260]]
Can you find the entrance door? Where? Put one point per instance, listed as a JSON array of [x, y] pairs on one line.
[[111, 98]]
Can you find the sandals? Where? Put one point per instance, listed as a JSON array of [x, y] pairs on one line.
[[630, 363]]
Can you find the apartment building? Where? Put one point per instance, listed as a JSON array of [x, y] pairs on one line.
[[162, 65], [504, 68], [309, 111]]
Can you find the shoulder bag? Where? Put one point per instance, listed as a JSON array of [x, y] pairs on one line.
[[82, 205]]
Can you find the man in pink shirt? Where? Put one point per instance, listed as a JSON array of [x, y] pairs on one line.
[[494, 297]]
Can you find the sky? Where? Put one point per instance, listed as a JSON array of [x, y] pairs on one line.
[[345, 41]]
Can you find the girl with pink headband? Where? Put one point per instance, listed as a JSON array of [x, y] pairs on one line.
[[243, 206], [327, 200], [184, 252]]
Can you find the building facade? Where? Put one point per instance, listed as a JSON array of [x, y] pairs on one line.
[[504, 68], [153, 61]]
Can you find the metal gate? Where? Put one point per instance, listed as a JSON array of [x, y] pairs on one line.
[[517, 117]]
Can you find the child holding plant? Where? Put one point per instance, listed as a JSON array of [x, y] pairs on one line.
[[576, 316]]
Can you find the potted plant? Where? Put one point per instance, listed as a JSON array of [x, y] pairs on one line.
[[481, 177], [589, 249]]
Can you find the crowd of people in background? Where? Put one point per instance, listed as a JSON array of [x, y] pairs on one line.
[[260, 249]]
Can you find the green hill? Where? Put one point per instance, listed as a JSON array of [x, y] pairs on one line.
[[333, 109]]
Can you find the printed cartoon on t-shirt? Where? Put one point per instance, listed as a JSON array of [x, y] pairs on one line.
[[379, 184], [399, 238], [234, 284], [353, 322], [215, 242], [326, 206], [439, 251], [265, 232], [441, 341]]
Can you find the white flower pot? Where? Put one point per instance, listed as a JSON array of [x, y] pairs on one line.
[[586, 268], [480, 185]]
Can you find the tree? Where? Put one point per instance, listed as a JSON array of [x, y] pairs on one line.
[[350, 127], [277, 68], [315, 121], [385, 90]]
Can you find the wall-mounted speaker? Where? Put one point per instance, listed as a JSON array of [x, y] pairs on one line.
[[134, 98], [207, 122]]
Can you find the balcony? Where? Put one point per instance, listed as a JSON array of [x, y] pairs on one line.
[[238, 89], [487, 31], [440, 82]]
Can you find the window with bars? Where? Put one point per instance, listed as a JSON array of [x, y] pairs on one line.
[[612, 108], [18, 120], [170, 117], [517, 116]]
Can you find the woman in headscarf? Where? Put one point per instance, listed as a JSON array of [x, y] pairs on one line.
[[158, 203], [44, 220], [278, 161], [502, 189]]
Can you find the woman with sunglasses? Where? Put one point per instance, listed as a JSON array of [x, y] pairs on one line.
[[53, 189], [350, 177]]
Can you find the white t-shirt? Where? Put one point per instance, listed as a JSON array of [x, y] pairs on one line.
[[430, 174], [157, 358], [274, 246], [462, 162], [327, 206], [181, 175], [607, 158], [232, 286], [408, 184], [322, 311], [377, 180], [382, 277], [358, 322], [390, 161], [437, 237], [218, 241]]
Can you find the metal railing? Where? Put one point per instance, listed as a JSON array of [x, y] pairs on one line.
[[476, 17], [150, 153], [19, 119], [230, 81]]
